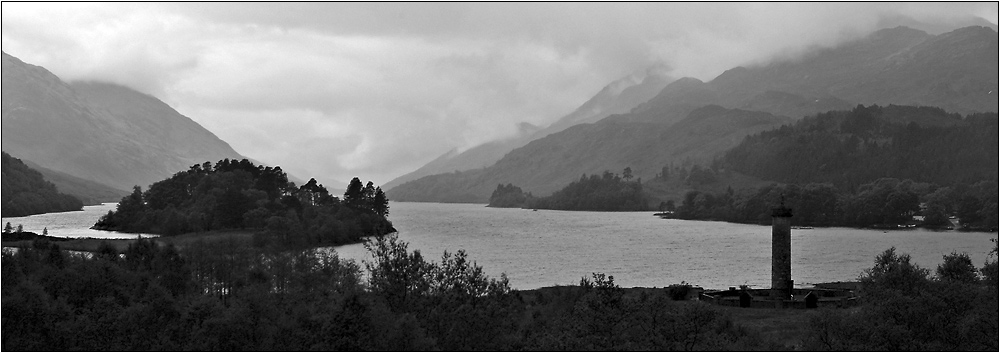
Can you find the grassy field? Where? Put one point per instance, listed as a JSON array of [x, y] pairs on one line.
[[786, 326]]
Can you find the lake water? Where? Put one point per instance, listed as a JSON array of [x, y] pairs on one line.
[[73, 224], [544, 248]]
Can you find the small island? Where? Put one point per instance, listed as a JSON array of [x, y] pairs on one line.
[[241, 196], [606, 192]]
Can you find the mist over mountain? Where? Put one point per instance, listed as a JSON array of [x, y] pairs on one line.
[[549, 163], [102, 132], [619, 96], [694, 120]]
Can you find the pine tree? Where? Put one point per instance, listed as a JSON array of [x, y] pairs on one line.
[[7, 229], [380, 203], [369, 200], [354, 196]]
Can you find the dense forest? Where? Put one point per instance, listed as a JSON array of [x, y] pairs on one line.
[[26, 192], [851, 148], [239, 195], [884, 203], [229, 294], [872, 166], [509, 196], [606, 192]]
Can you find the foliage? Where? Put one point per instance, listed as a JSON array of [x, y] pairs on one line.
[[600, 316], [26, 192], [227, 294], [903, 309], [851, 148], [607, 192], [508, 196], [958, 268], [241, 195], [883, 203], [230, 295]]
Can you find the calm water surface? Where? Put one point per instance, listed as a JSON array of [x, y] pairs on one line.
[[73, 224], [544, 248]]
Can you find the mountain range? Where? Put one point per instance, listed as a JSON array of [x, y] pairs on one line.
[[83, 135], [693, 121], [619, 96]]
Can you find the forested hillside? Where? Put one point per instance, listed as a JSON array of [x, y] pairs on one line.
[[850, 148], [26, 192], [241, 195], [866, 167]]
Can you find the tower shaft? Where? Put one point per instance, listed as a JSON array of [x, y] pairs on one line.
[[781, 252]]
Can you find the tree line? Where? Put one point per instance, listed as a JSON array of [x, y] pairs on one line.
[[852, 148], [884, 203], [606, 192], [229, 294], [905, 307], [26, 192], [239, 195]]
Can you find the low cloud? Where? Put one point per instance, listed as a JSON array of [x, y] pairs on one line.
[[336, 90]]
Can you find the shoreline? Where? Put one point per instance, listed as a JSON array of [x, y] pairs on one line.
[[92, 244]]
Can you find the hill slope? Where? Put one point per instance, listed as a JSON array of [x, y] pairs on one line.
[[617, 97], [850, 148], [25, 192], [90, 192], [953, 70], [105, 133], [546, 165]]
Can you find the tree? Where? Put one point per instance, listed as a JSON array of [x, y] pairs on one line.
[[7, 229], [380, 203], [627, 173], [893, 272], [369, 191], [45, 231], [396, 274], [355, 194], [957, 268]]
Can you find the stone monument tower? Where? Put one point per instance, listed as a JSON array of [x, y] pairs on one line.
[[781, 252]]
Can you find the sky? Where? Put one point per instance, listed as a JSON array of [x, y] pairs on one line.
[[376, 90]]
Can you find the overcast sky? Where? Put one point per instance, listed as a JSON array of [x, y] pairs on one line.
[[376, 90]]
